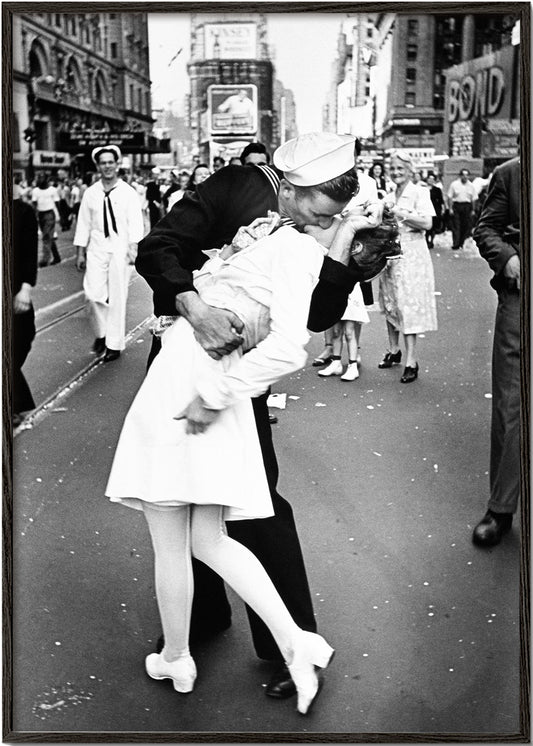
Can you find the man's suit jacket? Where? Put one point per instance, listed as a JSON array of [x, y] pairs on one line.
[[497, 232]]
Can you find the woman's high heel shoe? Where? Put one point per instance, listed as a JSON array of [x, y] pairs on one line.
[[311, 652], [181, 671], [410, 373], [390, 359]]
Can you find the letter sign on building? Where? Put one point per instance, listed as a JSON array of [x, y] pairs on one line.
[[481, 87]]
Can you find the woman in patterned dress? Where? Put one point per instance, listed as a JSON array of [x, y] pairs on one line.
[[407, 286]]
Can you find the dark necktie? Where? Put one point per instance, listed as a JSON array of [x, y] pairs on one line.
[[107, 201]]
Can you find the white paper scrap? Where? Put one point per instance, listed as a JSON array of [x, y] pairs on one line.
[[279, 401]]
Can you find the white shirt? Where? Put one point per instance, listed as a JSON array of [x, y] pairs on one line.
[[128, 217], [269, 286], [459, 192], [46, 199]]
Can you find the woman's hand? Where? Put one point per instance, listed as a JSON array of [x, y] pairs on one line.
[[198, 417]]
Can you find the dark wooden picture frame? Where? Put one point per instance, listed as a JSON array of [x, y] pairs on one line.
[[10, 732]]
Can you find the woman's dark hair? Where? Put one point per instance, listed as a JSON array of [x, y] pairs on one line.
[[191, 185], [380, 180], [340, 189]]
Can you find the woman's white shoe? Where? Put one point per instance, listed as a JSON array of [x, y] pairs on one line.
[[311, 652], [333, 369], [351, 373], [181, 671]]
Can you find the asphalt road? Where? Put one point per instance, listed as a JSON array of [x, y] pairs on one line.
[[387, 482]]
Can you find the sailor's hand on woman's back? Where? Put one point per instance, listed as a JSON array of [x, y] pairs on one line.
[[217, 330]]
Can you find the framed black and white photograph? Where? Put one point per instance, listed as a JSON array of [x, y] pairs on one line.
[[266, 372]]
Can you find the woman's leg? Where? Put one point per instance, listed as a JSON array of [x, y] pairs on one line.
[[303, 651], [352, 330], [242, 571], [170, 533], [335, 366], [410, 350], [325, 355], [394, 338]]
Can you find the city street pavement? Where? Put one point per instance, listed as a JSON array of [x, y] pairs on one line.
[[387, 482]]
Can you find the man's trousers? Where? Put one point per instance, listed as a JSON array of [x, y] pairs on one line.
[[505, 425], [23, 336], [105, 285], [461, 223]]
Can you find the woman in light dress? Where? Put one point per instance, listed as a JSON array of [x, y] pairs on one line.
[[189, 476], [407, 286]]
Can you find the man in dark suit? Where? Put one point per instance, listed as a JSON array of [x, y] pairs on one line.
[[497, 235], [25, 250], [153, 197], [207, 219]]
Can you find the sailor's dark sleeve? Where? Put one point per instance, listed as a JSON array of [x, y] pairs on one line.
[[168, 255], [330, 296]]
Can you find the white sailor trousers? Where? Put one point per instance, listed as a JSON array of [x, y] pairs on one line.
[[105, 285]]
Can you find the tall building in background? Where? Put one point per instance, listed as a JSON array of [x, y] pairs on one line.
[[438, 86], [235, 98], [80, 80]]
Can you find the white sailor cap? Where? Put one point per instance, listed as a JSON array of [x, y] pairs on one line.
[[316, 157], [156, 170], [106, 148]]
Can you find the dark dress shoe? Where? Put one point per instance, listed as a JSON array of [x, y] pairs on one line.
[[99, 345], [281, 685], [410, 374], [491, 528], [272, 419], [111, 355], [390, 359]]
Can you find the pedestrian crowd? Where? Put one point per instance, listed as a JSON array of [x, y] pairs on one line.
[[244, 260]]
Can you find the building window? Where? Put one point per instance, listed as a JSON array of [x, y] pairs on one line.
[[410, 98], [412, 27], [73, 26], [438, 101], [140, 100], [369, 32], [412, 52], [410, 75], [449, 24], [132, 104], [113, 50], [58, 20]]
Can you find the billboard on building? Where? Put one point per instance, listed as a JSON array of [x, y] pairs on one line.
[[230, 41], [482, 105], [232, 109]]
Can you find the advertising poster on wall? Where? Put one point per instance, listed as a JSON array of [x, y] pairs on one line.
[[230, 41], [232, 109]]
